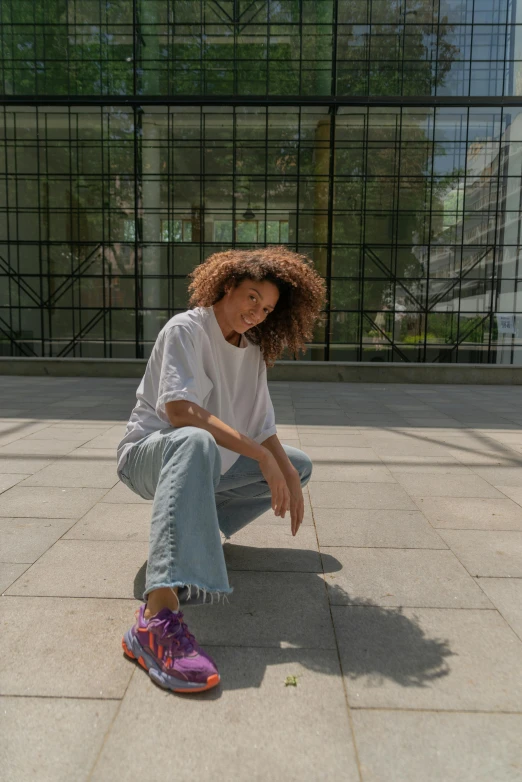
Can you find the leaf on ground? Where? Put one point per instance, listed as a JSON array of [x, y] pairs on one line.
[[291, 681]]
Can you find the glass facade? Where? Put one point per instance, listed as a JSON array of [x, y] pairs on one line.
[[383, 139]]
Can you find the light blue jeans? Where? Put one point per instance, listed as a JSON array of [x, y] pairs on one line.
[[180, 469]]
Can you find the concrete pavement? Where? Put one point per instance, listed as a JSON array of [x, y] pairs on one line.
[[383, 643]]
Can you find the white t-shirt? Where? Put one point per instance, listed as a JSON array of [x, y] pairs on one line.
[[192, 360]]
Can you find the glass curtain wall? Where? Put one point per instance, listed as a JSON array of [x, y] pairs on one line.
[[382, 139]]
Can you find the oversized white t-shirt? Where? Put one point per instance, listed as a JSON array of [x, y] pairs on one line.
[[192, 360]]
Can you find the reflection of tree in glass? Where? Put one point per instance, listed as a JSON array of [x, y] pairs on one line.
[[383, 165], [393, 48]]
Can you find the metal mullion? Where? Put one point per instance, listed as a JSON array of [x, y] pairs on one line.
[[235, 14], [49, 251], [471, 51], [362, 245], [43, 38], [73, 227], [138, 233], [39, 179], [494, 277], [402, 50], [386, 101], [298, 183], [8, 222], [428, 255], [300, 43], [329, 234], [170, 210], [436, 75], [370, 8], [134, 49], [463, 228], [266, 178], [202, 72], [268, 31], [102, 64], [106, 120], [17, 213], [395, 219], [103, 265], [234, 174], [202, 188]]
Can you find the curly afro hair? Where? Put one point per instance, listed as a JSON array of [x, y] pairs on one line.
[[301, 294]]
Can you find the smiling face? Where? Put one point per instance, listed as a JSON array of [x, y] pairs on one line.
[[248, 304]]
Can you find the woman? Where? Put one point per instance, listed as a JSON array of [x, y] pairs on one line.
[[202, 443]]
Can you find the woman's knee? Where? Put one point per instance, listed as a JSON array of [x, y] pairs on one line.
[[195, 443]]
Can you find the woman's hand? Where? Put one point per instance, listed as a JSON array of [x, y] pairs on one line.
[[293, 482], [276, 481], [286, 490]]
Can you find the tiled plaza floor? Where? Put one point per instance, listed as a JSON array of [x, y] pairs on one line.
[[398, 606]]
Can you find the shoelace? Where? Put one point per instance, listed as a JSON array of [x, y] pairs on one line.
[[173, 630]]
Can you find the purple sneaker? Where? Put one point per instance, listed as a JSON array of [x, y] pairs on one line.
[[166, 649]]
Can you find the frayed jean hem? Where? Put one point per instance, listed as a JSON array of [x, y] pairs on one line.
[[198, 587]]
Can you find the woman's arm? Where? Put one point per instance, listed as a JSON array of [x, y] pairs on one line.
[[183, 413], [274, 446]]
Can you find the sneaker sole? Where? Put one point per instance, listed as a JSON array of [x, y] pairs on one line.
[[134, 651]]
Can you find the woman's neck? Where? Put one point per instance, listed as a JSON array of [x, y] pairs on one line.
[[229, 333]]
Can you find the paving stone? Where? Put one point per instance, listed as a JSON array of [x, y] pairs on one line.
[[360, 495], [344, 440], [48, 448], [48, 502], [273, 547], [408, 577], [487, 553], [9, 572], [275, 731], [432, 747], [514, 493], [109, 521], [506, 596], [10, 479], [485, 457], [380, 528], [351, 457], [111, 438], [77, 472], [501, 475], [354, 473], [59, 633], [76, 434], [266, 609], [121, 494], [428, 658], [437, 465], [85, 568], [66, 737], [326, 430], [446, 486], [24, 540], [11, 463], [471, 513]]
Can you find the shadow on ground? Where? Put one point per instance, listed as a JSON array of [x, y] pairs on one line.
[[373, 642]]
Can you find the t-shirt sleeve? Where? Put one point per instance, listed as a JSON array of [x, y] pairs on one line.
[[179, 371], [263, 418]]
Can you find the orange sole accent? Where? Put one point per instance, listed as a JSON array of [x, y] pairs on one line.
[[212, 681], [126, 650]]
